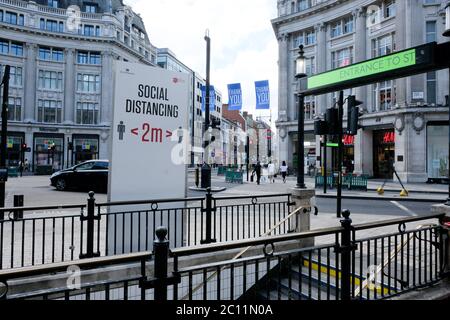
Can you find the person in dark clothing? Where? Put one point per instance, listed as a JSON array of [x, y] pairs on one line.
[[257, 171]]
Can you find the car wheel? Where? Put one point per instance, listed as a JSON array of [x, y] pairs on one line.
[[61, 184]]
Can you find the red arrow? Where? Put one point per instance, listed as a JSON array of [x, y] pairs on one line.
[[168, 134], [135, 131]]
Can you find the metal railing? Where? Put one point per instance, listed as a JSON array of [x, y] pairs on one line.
[[372, 268], [65, 233]]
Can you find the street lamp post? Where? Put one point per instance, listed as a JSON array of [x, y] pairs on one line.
[[447, 34], [206, 169], [5, 83], [301, 73]]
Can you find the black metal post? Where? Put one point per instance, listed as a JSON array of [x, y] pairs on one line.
[[325, 165], [161, 254], [90, 218], [448, 103], [301, 143], [257, 144], [197, 176], [340, 150], [206, 170], [208, 218], [345, 250], [248, 156], [3, 150]]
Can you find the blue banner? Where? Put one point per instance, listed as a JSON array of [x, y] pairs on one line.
[[262, 94], [212, 98], [234, 96]]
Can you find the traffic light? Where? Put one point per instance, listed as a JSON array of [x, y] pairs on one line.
[[24, 148], [70, 146], [353, 115], [332, 119], [215, 123], [320, 128]]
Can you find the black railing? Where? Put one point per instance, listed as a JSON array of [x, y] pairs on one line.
[[66, 233], [349, 268]]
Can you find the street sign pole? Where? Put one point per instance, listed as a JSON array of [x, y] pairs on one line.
[[325, 165], [448, 102], [206, 169], [5, 83], [340, 150]]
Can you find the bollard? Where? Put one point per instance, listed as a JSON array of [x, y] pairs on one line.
[[197, 177], [18, 203], [161, 253]]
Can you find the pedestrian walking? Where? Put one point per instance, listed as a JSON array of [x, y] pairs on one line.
[[284, 170], [26, 166], [257, 171], [271, 169], [21, 168]]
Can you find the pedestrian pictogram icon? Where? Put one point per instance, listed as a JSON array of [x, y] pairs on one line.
[[121, 130]]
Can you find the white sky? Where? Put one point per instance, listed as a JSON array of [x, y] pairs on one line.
[[243, 45]]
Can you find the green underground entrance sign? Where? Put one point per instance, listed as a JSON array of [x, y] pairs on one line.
[[383, 64], [396, 65]]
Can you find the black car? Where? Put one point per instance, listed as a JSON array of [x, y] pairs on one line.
[[90, 176]]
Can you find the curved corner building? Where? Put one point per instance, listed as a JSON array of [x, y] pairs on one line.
[[61, 87]]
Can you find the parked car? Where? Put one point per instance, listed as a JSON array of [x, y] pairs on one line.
[[90, 176]]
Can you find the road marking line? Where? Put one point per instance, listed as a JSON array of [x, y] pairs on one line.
[[408, 211]]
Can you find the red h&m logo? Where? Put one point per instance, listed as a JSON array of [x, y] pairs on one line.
[[349, 140], [389, 137]]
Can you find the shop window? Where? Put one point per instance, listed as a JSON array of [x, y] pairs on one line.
[[437, 151], [45, 155]]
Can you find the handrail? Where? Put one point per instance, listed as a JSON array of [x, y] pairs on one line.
[[372, 225], [254, 196], [42, 208], [240, 254], [138, 202], [9, 274]]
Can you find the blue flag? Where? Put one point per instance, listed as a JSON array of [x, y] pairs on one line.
[[212, 98], [262, 94], [234, 96]]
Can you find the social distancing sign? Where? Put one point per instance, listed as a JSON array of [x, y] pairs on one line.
[[150, 117]]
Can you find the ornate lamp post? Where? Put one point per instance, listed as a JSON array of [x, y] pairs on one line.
[[301, 73]]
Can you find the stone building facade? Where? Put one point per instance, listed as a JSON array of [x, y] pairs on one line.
[[404, 121], [61, 87]]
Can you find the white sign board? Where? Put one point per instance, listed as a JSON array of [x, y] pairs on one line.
[[418, 95], [149, 136]]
